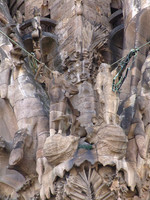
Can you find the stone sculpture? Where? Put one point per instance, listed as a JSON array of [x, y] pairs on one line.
[[64, 134], [36, 33], [86, 183], [112, 142], [58, 148], [139, 131], [78, 4], [59, 92], [36, 24], [108, 100], [14, 82], [21, 139]]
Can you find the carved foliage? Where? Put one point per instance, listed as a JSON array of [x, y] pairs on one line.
[[87, 184]]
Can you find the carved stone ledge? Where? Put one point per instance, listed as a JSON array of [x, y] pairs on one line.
[[43, 21], [47, 38]]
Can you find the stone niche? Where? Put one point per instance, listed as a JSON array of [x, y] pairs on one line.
[[15, 5]]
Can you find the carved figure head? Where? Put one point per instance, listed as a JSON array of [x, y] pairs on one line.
[[55, 74], [36, 12], [104, 67], [79, 9]]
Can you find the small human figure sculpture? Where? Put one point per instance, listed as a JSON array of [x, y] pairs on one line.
[[108, 100], [37, 33], [59, 91], [36, 24]]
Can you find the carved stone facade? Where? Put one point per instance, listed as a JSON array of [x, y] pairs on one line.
[[74, 121]]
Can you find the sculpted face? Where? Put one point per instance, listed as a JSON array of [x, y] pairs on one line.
[[105, 68], [56, 74]]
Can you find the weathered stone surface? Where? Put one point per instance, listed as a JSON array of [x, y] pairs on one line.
[[112, 143], [59, 148], [65, 132]]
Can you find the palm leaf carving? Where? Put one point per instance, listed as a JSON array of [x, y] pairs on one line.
[[87, 185]]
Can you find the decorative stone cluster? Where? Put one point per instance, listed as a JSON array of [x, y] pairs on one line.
[[62, 133]]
